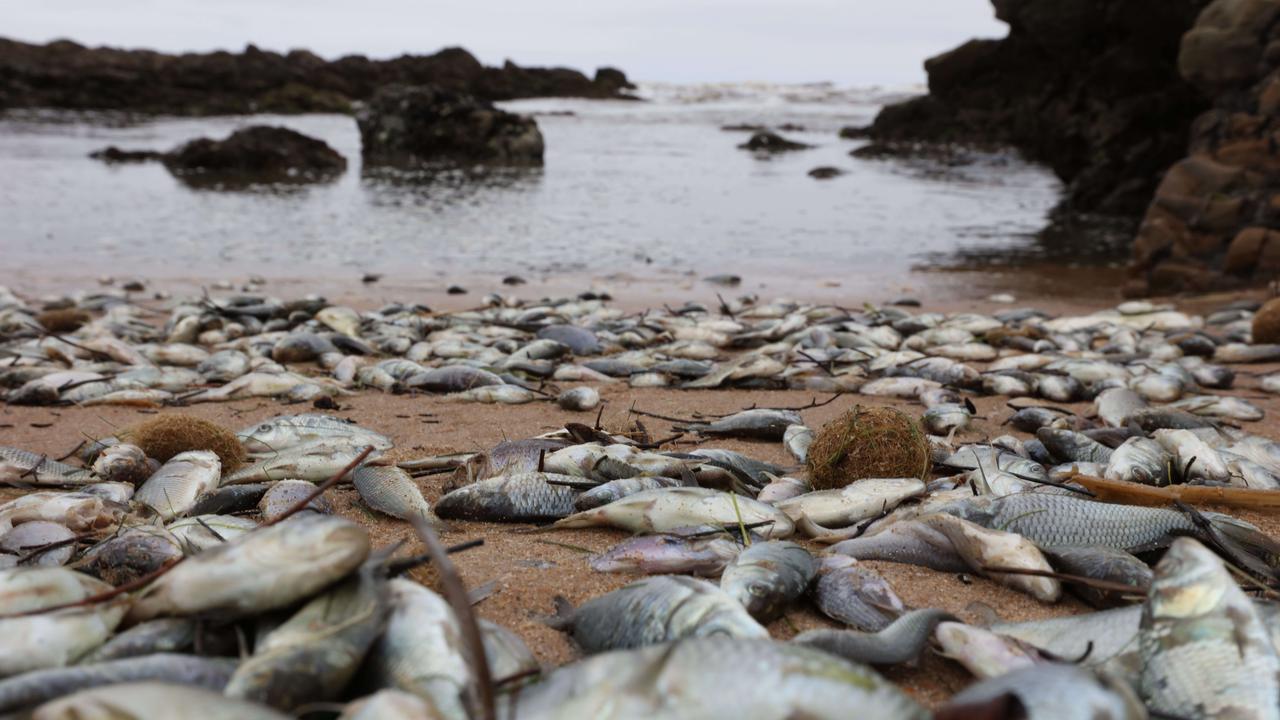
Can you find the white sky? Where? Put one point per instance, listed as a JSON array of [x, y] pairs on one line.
[[859, 42]]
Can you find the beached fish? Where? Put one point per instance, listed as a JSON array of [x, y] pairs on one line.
[[262, 570], [1194, 458], [290, 431], [165, 635], [421, 650], [284, 495], [854, 595], [143, 699], [388, 704], [657, 609], [53, 638], [661, 554], [783, 488], [667, 509], [757, 423], [123, 463], [1220, 406], [314, 654], [1205, 651], [173, 489], [1045, 691], [983, 548], [901, 641], [768, 576], [391, 491], [39, 543], [35, 469], [39, 686], [1101, 563], [608, 492], [196, 533], [79, 511], [131, 554], [578, 399], [1107, 638], [854, 502], [229, 499], [523, 497], [797, 439], [905, 541], [985, 653], [1071, 446], [1140, 460], [315, 461], [703, 678]]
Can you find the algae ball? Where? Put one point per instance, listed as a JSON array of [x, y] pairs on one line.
[[867, 442], [164, 436], [1266, 323]]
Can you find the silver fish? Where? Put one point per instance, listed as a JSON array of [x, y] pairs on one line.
[[1052, 692], [166, 635], [290, 431], [757, 423], [173, 489], [40, 543], [901, 641], [201, 532], [421, 650], [33, 688], [578, 399], [797, 439], [618, 489], [284, 495], [855, 596], [768, 576], [315, 461], [1140, 460], [391, 491], [984, 653], [525, 497], [141, 699], [985, 548], [42, 470], [666, 509], [854, 502], [57, 638], [905, 541], [662, 554]]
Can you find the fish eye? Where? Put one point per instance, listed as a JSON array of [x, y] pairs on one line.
[[264, 427]]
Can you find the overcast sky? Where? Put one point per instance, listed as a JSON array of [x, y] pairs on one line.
[[859, 42]]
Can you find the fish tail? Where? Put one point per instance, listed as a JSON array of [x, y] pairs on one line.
[[1245, 544], [562, 619]]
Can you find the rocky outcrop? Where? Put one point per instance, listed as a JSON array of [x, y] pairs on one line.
[[404, 125], [257, 154], [64, 74], [1089, 87], [766, 141], [1214, 222]]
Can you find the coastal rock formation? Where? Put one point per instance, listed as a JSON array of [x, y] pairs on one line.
[[403, 124], [1215, 220], [256, 154], [64, 74], [769, 142], [1089, 87]]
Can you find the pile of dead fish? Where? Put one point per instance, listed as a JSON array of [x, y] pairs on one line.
[[206, 350]]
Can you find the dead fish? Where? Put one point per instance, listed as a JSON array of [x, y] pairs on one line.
[[173, 489], [36, 469], [782, 488], [1107, 638], [79, 511], [31, 689], [673, 554], [797, 439], [132, 554], [984, 548], [1101, 563], [1195, 460], [1205, 651], [390, 491], [166, 635], [617, 489], [55, 638], [658, 609], [945, 419], [285, 494], [224, 366], [1050, 690], [123, 463], [905, 541], [899, 387], [421, 651], [388, 704], [666, 509], [499, 394], [985, 653], [768, 576], [854, 502], [855, 596], [314, 654], [141, 699], [524, 497], [703, 678], [1071, 446], [201, 532], [314, 461], [39, 543], [578, 399], [1031, 418], [1140, 460], [290, 431], [1218, 406], [514, 457], [451, 379], [230, 499], [262, 570], [899, 642], [757, 423]]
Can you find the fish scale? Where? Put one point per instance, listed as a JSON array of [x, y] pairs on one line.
[[390, 490], [48, 471], [1058, 520], [511, 498]]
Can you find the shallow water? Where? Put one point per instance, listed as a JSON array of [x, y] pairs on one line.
[[653, 189]]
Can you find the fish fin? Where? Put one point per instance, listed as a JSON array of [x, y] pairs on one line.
[[562, 619], [1244, 544]]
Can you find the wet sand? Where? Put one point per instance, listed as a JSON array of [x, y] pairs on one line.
[[529, 570]]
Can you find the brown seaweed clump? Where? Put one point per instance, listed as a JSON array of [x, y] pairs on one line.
[[1266, 323], [867, 442], [164, 436], [63, 320]]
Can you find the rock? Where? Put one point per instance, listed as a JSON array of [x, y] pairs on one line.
[[766, 141], [64, 74], [256, 154], [1266, 323], [113, 154], [403, 124], [1089, 87], [825, 172]]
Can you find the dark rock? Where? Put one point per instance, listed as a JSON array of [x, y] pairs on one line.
[[743, 127], [825, 172], [64, 74], [256, 154], [766, 141], [370, 278], [850, 132], [456, 290], [403, 124], [113, 154], [513, 280], [1089, 87]]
